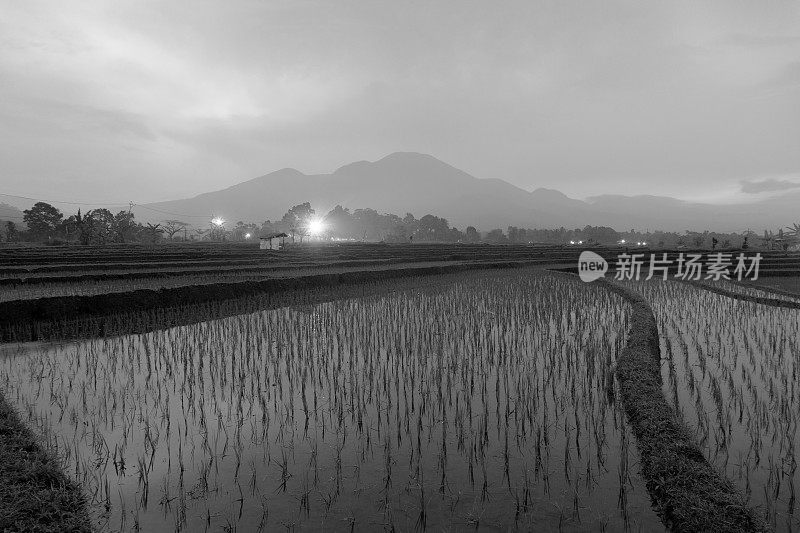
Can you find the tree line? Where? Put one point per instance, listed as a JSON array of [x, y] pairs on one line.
[[45, 223]]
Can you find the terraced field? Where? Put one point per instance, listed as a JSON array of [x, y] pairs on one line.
[[360, 386]]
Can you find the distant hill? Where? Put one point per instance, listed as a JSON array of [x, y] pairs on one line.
[[421, 184], [11, 213]]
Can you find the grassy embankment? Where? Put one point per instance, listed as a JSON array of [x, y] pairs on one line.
[[688, 492], [35, 494]]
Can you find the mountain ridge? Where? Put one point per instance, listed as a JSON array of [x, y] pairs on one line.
[[404, 182]]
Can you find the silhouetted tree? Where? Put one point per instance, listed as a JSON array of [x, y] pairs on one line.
[[153, 232], [496, 236], [172, 227], [102, 222], [124, 228], [432, 228], [295, 217], [42, 220], [11, 232]]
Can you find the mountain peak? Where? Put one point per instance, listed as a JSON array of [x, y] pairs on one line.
[[403, 182], [288, 171], [400, 163], [409, 156]]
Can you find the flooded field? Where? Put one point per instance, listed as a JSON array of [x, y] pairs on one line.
[[731, 368], [484, 402]]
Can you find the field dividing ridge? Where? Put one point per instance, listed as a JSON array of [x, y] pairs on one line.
[[688, 493]]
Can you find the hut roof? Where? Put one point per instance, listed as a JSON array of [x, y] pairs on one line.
[[272, 235]]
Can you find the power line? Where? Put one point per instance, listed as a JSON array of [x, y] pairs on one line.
[[111, 204], [129, 205], [169, 213]]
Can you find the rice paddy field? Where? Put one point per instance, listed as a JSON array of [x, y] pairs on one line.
[[731, 369], [397, 388], [481, 401]]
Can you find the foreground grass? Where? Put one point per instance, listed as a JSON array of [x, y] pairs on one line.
[[687, 491], [71, 317], [789, 285], [35, 494]]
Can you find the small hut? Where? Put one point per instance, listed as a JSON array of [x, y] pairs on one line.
[[265, 240]]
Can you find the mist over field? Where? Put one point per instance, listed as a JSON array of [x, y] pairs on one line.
[[421, 184]]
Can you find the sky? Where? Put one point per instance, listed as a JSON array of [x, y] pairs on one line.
[[116, 101]]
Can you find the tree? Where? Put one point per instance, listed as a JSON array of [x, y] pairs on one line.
[[496, 236], [154, 231], [515, 234], [82, 227], [101, 222], [124, 228], [432, 228], [42, 220], [454, 235], [793, 234], [600, 235], [471, 234], [297, 216], [12, 234], [341, 222], [768, 240], [697, 239], [171, 227]]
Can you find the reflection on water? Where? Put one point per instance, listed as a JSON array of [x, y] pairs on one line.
[[485, 402]]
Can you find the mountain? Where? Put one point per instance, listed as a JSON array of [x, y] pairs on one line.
[[11, 213], [661, 212], [405, 182]]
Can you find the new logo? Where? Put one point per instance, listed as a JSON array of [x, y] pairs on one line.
[[591, 266]]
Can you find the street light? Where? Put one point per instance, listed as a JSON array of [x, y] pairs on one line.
[[316, 226], [217, 228]]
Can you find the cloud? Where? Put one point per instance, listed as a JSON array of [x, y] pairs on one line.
[[186, 99], [768, 185]]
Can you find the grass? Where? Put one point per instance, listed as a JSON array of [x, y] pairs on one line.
[[772, 299], [62, 317], [466, 400], [35, 494], [687, 491], [783, 285]]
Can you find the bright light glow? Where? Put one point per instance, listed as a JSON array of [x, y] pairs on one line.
[[580, 242], [572, 242], [644, 244], [316, 226], [247, 235], [218, 222], [622, 241]]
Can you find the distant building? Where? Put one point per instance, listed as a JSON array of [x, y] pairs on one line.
[[265, 240]]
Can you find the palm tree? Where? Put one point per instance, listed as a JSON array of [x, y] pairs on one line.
[[768, 239], [793, 233], [154, 230]]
